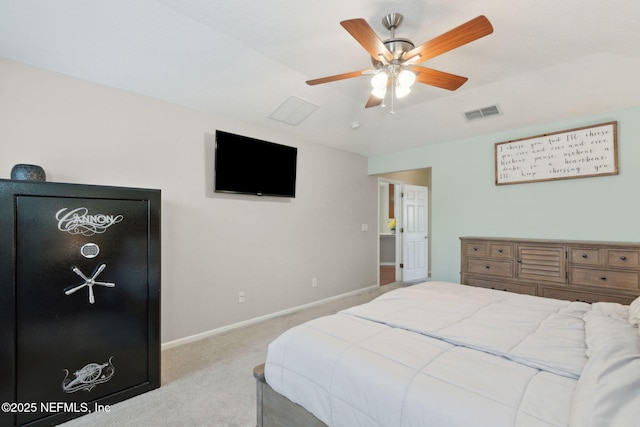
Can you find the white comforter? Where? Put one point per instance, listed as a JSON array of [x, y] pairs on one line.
[[539, 332], [426, 356]]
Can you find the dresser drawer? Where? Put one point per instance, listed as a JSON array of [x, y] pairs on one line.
[[583, 295], [489, 267], [622, 258], [501, 250], [610, 279], [585, 256], [476, 248]]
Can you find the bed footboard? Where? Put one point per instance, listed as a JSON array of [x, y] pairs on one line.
[[275, 410]]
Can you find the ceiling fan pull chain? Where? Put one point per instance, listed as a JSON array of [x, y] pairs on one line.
[[393, 94]]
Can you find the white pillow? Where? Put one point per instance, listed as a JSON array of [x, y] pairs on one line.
[[634, 312]]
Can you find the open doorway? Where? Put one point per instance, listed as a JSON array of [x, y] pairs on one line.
[[389, 220], [392, 247]]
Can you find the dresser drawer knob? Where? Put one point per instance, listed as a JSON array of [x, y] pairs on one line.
[[500, 250], [487, 267], [603, 278], [475, 249], [585, 256], [623, 258]]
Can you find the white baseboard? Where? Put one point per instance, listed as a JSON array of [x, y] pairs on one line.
[[207, 334]]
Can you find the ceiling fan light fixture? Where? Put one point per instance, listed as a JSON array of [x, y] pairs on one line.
[[379, 92], [406, 78], [401, 91], [379, 81]]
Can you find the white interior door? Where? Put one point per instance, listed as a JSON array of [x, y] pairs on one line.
[[414, 232]]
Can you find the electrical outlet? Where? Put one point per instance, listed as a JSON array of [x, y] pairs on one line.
[[314, 282], [241, 297]]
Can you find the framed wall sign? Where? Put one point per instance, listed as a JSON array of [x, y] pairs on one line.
[[575, 153]]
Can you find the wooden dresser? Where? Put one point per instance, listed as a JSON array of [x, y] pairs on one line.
[[570, 270]]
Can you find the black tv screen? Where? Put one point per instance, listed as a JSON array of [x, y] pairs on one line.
[[252, 166]]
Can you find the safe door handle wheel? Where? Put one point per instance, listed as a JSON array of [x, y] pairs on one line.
[[89, 282]]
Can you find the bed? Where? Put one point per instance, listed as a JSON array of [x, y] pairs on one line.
[[445, 354]]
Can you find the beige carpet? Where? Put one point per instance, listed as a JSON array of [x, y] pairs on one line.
[[210, 382]]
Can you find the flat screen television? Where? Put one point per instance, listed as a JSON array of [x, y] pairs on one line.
[[251, 166]]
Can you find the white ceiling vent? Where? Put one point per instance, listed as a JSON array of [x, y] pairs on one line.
[[482, 113], [293, 111]]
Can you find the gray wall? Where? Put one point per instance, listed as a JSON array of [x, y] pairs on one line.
[[213, 245]]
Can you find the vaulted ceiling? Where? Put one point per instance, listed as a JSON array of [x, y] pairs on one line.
[[546, 60]]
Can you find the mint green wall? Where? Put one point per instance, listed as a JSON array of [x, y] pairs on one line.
[[466, 201]]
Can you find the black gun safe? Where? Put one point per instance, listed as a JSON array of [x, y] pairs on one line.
[[79, 299]]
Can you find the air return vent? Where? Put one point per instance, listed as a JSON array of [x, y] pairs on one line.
[[293, 111], [482, 113]]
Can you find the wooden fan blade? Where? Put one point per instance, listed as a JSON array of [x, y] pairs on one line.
[[461, 35], [337, 77], [437, 78], [364, 34], [373, 101]]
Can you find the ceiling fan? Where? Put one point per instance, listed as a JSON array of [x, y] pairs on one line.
[[395, 59]]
